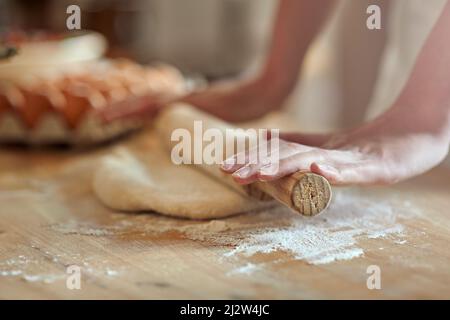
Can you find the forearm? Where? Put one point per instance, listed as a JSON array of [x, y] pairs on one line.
[[296, 25], [426, 96]]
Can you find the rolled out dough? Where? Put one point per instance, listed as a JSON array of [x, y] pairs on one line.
[[141, 177]]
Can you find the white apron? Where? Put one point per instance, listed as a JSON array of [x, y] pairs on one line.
[[350, 70]]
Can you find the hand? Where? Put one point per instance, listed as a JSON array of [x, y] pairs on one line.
[[146, 106], [232, 100], [239, 100], [385, 151]]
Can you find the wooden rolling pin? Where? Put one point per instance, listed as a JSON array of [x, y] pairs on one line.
[[306, 193]]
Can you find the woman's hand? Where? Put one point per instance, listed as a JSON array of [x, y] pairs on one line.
[[232, 100], [385, 151], [409, 139], [239, 99], [296, 25], [146, 106]]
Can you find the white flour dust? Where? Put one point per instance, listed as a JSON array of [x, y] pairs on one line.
[[330, 237], [335, 235], [51, 267], [323, 239], [248, 268], [72, 227]]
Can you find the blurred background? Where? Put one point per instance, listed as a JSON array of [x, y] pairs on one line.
[[350, 73], [213, 37], [222, 38]]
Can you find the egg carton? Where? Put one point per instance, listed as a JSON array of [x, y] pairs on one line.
[[65, 106]]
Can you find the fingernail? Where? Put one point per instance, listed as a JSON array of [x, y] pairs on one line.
[[227, 164], [242, 172]]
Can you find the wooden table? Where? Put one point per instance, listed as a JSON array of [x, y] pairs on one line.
[[50, 219]]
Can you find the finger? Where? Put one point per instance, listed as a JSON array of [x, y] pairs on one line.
[[135, 107], [255, 158], [235, 162], [199, 98], [246, 164], [297, 162], [327, 171], [303, 160], [189, 99], [285, 159], [248, 173], [257, 154]]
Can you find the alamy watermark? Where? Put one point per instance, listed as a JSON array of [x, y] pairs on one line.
[[73, 21], [373, 22], [374, 279], [212, 146], [73, 281]]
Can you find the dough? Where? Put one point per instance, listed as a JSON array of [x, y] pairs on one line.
[[141, 177]]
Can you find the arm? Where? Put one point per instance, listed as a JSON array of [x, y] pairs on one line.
[[297, 23], [427, 92], [412, 137]]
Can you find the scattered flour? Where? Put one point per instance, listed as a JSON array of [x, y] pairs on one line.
[[330, 237], [73, 227], [111, 273], [327, 238], [45, 278], [39, 270], [323, 239], [248, 268], [10, 273]]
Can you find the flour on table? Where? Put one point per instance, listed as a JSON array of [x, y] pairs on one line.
[[246, 269], [38, 269], [72, 227], [332, 236]]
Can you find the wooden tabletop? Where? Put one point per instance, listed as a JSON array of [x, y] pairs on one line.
[[50, 220]]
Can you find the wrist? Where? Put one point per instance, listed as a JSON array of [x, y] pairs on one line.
[[423, 118]]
